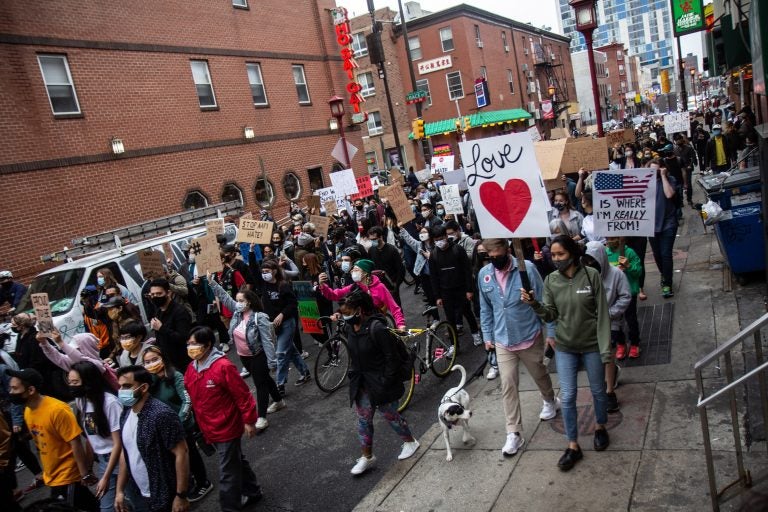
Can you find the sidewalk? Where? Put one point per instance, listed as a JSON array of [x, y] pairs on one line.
[[655, 460]]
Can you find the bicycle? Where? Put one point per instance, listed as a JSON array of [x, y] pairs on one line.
[[331, 372], [439, 353]]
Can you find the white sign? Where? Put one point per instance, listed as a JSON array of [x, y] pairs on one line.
[[535, 135], [442, 164], [625, 202], [422, 175], [428, 66], [506, 187], [456, 178], [375, 182], [451, 199], [329, 194], [338, 152], [677, 122], [344, 182]]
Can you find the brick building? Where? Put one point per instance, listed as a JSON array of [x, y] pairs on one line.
[[622, 80], [178, 85]]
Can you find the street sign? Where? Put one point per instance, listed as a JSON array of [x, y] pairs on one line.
[[416, 97], [481, 93], [687, 16]]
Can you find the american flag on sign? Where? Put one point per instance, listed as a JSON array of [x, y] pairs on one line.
[[619, 185]]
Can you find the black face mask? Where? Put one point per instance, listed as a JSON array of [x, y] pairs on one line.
[[482, 256], [159, 301], [500, 262], [77, 391], [17, 398]]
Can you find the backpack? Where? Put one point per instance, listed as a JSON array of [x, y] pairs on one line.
[[404, 358]]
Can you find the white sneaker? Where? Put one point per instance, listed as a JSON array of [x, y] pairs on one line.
[[492, 373], [245, 373], [549, 409], [261, 423], [363, 465], [513, 444], [276, 406], [477, 339], [408, 449]]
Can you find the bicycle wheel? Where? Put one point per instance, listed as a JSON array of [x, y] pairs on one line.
[[332, 364], [443, 346], [410, 387]]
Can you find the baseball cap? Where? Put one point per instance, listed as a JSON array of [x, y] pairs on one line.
[[717, 127], [114, 302], [28, 375], [6, 274]]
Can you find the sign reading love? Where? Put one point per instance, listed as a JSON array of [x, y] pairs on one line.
[[506, 187]]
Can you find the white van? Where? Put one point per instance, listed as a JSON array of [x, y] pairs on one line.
[[64, 283]]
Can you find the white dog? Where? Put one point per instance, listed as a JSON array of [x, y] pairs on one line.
[[454, 410]]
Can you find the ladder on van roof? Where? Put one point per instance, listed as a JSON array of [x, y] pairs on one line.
[[143, 231]]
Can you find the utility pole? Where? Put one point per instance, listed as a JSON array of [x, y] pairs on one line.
[[681, 74]]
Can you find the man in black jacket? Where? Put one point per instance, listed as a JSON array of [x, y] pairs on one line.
[[451, 274], [171, 324], [386, 257]]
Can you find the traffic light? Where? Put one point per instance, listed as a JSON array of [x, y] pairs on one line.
[[467, 124], [418, 129]]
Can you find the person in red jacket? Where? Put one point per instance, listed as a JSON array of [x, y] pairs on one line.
[[224, 408]]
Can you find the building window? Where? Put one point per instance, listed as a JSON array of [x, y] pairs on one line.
[[231, 192], [478, 39], [366, 82], [423, 85], [240, 3], [265, 193], [291, 186], [194, 199], [621, 69], [511, 80], [415, 45], [504, 41], [258, 93], [374, 124], [484, 72], [619, 55], [446, 39], [300, 79], [203, 84], [359, 45], [59, 85], [455, 87]]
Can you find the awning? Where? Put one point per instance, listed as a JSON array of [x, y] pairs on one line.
[[438, 127], [481, 119]]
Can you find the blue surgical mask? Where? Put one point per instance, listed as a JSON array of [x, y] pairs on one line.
[[345, 266], [240, 307], [100, 281], [127, 397]]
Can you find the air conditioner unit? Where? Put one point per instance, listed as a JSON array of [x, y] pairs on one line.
[[506, 48], [530, 74], [531, 106], [531, 88], [552, 56], [479, 44], [525, 67], [537, 114], [525, 51]]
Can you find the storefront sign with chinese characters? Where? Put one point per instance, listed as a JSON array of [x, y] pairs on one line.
[[344, 38], [428, 66]]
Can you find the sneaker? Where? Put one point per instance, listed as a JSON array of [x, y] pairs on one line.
[[247, 501], [621, 352], [245, 373], [19, 466], [634, 352], [304, 355], [363, 465], [513, 444], [477, 339], [666, 292], [261, 424], [276, 406], [303, 379], [200, 491], [569, 459], [409, 449], [281, 389], [612, 403], [332, 361], [549, 409], [492, 373], [601, 440], [224, 347]]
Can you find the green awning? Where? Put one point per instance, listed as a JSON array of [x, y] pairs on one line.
[[438, 127], [498, 116]]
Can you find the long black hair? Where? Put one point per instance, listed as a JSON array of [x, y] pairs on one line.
[[95, 386], [570, 246], [360, 299]]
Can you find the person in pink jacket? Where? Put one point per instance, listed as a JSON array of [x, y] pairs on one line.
[[364, 280], [83, 347]]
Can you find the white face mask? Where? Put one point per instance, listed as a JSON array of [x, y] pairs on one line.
[[423, 237], [267, 276], [441, 244], [345, 266], [357, 276], [365, 243], [241, 306]]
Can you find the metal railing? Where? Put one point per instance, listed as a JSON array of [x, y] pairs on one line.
[[754, 330]]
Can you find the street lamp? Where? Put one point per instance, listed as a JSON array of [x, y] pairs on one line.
[[693, 89], [337, 110], [586, 23]]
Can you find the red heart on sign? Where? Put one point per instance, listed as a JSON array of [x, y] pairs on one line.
[[508, 205]]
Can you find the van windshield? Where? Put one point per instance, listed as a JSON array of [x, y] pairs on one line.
[[61, 288]]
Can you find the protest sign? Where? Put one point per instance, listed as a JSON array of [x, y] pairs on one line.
[[321, 224], [586, 152], [253, 231], [42, 308], [309, 312], [326, 194], [375, 183], [396, 175], [535, 135], [364, 188], [214, 226], [207, 255], [451, 199], [456, 178], [625, 202], [442, 164], [400, 206], [423, 175], [330, 207], [549, 155], [506, 187], [338, 152], [313, 201], [167, 250], [151, 263], [344, 182], [676, 122], [620, 137], [247, 215]]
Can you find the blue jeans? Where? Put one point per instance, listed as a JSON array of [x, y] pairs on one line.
[[287, 353], [107, 502], [662, 245], [567, 368]]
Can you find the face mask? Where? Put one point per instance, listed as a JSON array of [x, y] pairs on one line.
[[365, 243], [716, 132], [500, 262], [357, 276], [159, 301], [266, 276], [441, 212], [441, 244], [77, 391], [100, 281], [195, 351], [562, 265], [423, 237], [452, 238], [276, 244], [628, 154], [352, 319], [426, 213], [359, 207], [240, 307], [559, 206], [17, 398], [345, 266], [155, 367], [482, 256], [128, 397], [127, 344]]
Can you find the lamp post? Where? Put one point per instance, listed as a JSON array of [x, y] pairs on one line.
[[693, 88], [337, 111], [586, 23]]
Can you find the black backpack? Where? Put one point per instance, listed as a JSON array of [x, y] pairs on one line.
[[404, 357]]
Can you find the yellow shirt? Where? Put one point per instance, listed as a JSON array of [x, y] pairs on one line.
[[720, 152], [53, 425]]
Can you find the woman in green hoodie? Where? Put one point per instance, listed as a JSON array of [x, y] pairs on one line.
[[574, 297]]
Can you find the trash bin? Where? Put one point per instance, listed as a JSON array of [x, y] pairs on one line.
[[740, 229]]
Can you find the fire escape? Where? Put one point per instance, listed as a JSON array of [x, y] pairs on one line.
[[550, 65]]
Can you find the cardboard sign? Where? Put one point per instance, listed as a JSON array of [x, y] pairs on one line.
[[207, 255], [313, 202], [309, 312], [214, 226], [321, 224], [399, 203], [451, 199], [396, 175], [625, 202], [364, 188], [423, 175], [42, 308], [151, 263], [247, 215], [330, 207], [676, 122], [344, 182], [586, 152], [253, 231], [534, 132], [549, 155], [442, 164], [620, 137], [506, 187], [456, 178], [167, 250]]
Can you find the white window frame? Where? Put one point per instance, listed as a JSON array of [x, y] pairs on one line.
[[240, 3], [368, 87], [359, 44], [425, 81], [478, 38], [415, 48], [504, 41], [375, 130], [448, 84], [298, 84], [511, 81], [209, 83], [257, 67], [443, 40], [71, 83]]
